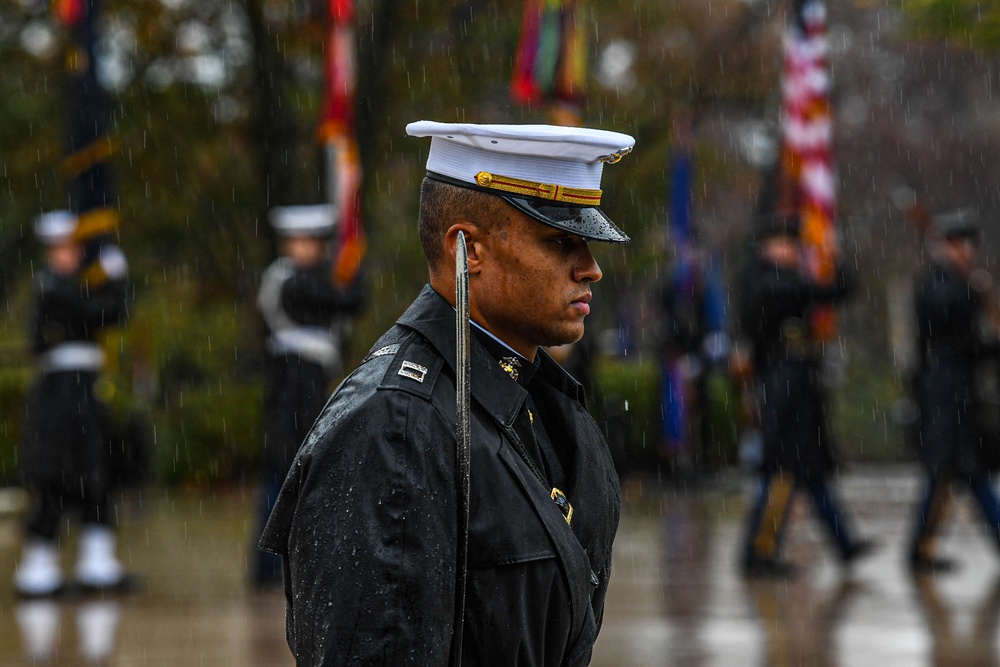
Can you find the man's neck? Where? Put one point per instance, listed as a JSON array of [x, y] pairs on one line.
[[498, 340]]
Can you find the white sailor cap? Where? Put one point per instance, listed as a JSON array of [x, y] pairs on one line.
[[55, 226], [550, 172], [961, 223], [309, 220]]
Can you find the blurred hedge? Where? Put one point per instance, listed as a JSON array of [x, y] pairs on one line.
[[13, 385], [189, 364]]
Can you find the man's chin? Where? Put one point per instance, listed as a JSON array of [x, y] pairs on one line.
[[567, 336]]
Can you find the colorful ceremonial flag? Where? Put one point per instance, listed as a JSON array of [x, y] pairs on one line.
[[86, 165], [807, 185], [675, 373], [551, 61], [337, 134], [697, 343]]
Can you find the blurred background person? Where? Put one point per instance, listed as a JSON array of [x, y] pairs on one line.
[[798, 451], [956, 331], [697, 430], [66, 453], [300, 306]]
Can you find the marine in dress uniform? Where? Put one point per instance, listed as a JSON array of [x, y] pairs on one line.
[[302, 310], [65, 450], [798, 450], [367, 520], [949, 304]]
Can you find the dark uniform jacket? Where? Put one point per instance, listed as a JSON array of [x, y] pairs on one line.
[[948, 315], [793, 413], [367, 516], [300, 308], [66, 426]]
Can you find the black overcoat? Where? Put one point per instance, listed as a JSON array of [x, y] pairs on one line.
[[791, 397], [367, 522], [297, 386], [948, 313], [65, 438]]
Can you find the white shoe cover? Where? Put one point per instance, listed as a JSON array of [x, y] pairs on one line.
[[39, 572], [96, 563]]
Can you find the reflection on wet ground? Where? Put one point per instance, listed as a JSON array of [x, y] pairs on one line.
[[676, 598], [679, 600]]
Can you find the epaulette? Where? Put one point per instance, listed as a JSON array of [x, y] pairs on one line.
[[414, 367]]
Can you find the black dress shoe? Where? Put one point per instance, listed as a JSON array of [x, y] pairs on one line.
[[128, 584], [931, 565], [767, 568]]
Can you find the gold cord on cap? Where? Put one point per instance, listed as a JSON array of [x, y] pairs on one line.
[[559, 193]]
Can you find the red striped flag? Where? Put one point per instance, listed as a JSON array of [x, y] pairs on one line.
[[807, 147], [337, 134]]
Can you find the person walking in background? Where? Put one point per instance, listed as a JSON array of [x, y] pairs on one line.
[[300, 306], [950, 294], [798, 452], [368, 517], [66, 455]]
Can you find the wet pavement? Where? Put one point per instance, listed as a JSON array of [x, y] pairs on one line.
[[676, 598]]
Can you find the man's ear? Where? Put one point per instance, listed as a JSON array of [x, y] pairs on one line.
[[473, 244]]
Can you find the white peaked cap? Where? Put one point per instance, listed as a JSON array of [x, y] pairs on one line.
[[55, 226], [309, 220], [550, 172]]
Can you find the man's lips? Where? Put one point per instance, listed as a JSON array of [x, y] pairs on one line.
[[582, 303]]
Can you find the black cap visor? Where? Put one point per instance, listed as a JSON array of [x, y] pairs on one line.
[[589, 222]]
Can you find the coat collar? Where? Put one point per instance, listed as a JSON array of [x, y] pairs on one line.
[[434, 318]]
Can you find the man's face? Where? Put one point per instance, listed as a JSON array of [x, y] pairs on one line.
[[64, 257], [783, 251], [534, 285], [305, 251], [961, 253]]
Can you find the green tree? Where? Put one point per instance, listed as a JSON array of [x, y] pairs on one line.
[[971, 23]]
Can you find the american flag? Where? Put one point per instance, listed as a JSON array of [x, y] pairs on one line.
[[807, 152]]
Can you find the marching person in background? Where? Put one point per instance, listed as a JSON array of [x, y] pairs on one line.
[[303, 352], [368, 517], [66, 454], [950, 294], [798, 452]]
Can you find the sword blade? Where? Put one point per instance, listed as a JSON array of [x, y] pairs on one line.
[[462, 361], [463, 433]]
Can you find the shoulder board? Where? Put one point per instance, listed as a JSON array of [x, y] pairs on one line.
[[414, 368]]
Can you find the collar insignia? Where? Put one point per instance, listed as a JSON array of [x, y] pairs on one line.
[[510, 364], [413, 371]]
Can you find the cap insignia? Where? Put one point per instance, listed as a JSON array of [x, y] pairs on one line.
[[616, 156]]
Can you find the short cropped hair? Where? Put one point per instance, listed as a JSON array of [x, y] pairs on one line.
[[442, 205]]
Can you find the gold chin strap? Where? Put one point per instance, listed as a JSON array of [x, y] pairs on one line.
[[559, 193]]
